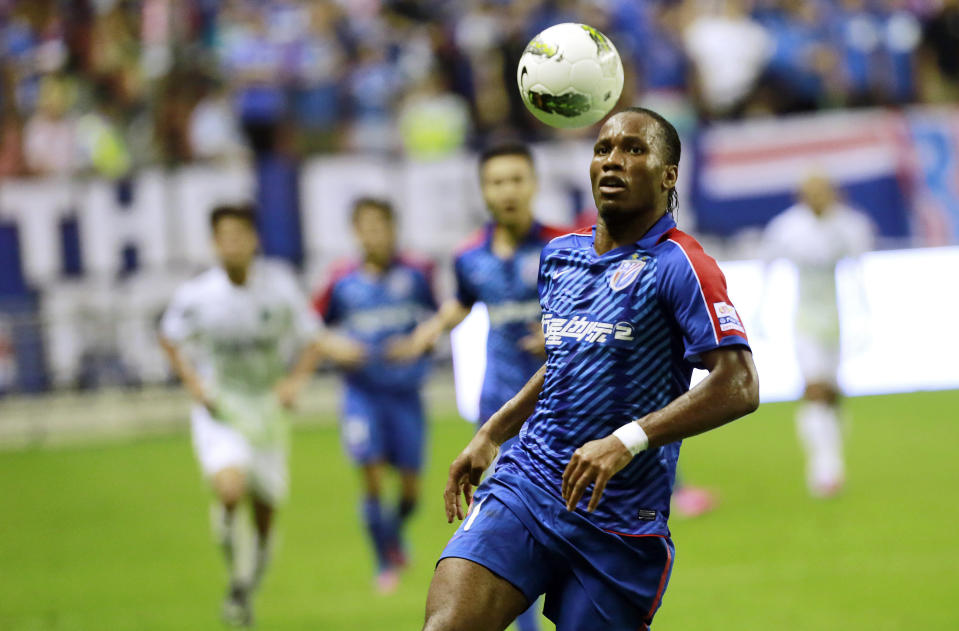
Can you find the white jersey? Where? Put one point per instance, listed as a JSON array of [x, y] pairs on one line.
[[241, 337], [815, 245]]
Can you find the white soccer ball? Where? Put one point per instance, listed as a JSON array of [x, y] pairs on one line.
[[570, 75]]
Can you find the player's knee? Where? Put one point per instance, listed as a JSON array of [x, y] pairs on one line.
[[230, 487], [445, 620], [821, 393]]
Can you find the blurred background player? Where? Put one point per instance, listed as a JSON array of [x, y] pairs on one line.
[[372, 301], [815, 234], [499, 267], [225, 333]]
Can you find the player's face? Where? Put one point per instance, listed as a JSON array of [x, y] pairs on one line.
[[818, 193], [235, 242], [375, 233], [627, 171], [508, 184]]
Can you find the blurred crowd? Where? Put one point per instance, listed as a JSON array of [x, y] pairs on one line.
[[107, 86]]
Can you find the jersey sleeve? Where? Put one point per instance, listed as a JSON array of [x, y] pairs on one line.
[[693, 289], [327, 305], [180, 321], [861, 236], [465, 291], [303, 321], [775, 239], [425, 294]]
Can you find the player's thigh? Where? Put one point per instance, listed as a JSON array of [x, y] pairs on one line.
[[269, 477], [618, 588], [404, 428], [465, 596], [493, 537], [224, 455], [818, 360], [360, 426]]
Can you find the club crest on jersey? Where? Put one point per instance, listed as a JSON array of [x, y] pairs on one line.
[[728, 318], [626, 273]]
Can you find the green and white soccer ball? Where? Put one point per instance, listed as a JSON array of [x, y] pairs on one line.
[[570, 75]]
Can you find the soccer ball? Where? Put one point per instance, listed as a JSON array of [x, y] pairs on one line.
[[570, 75]]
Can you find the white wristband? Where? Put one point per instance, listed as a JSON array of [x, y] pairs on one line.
[[633, 437]]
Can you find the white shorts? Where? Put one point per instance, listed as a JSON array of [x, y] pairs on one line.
[[818, 360], [219, 446]]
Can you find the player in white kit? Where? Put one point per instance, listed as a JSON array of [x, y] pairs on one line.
[[815, 234], [229, 334]]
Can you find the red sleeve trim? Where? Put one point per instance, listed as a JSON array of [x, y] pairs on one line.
[[547, 233], [712, 286], [338, 271], [474, 240]]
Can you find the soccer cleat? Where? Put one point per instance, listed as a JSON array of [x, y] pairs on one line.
[[387, 581], [237, 608], [827, 488], [398, 557], [691, 501]]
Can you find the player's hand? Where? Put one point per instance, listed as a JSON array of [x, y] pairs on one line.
[[593, 463], [210, 406], [407, 348], [466, 472], [535, 342], [286, 391], [344, 352]]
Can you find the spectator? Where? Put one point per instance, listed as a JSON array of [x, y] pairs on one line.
[[433, 121], [801, 71], [728, 51], [50, 135], [213, 130], [939, 60]]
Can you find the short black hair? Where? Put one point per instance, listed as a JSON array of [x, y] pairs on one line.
[[672, 146], [512, 148], [243, 212], [383, 205]]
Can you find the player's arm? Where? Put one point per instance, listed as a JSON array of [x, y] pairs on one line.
[[424, 336], [184, 369], [467, 470], [731, 390], [289, 387]]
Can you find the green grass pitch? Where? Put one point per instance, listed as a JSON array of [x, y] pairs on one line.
[[116, 537]]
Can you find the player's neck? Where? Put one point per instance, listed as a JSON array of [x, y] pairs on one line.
[[237, 275], [507, 237], [616, 231], [376, 266]]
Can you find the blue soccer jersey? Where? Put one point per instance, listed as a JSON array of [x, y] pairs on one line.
[[371, 309], [508, 288], [624, 331]]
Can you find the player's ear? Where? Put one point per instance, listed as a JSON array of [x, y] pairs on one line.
[[670, 176]]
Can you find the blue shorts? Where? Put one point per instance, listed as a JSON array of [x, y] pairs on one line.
[[384, 427], [593, 579]]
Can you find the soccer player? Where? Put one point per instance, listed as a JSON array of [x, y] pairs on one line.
[[578, 509], [815, 234], [225, 333], [499, 267], [372, 302]]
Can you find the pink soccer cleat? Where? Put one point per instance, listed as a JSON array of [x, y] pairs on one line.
[[691, 501], [387, 581]]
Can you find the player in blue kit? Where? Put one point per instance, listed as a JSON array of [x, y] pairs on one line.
[[369, 303], [578, 509], [499, 267]]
